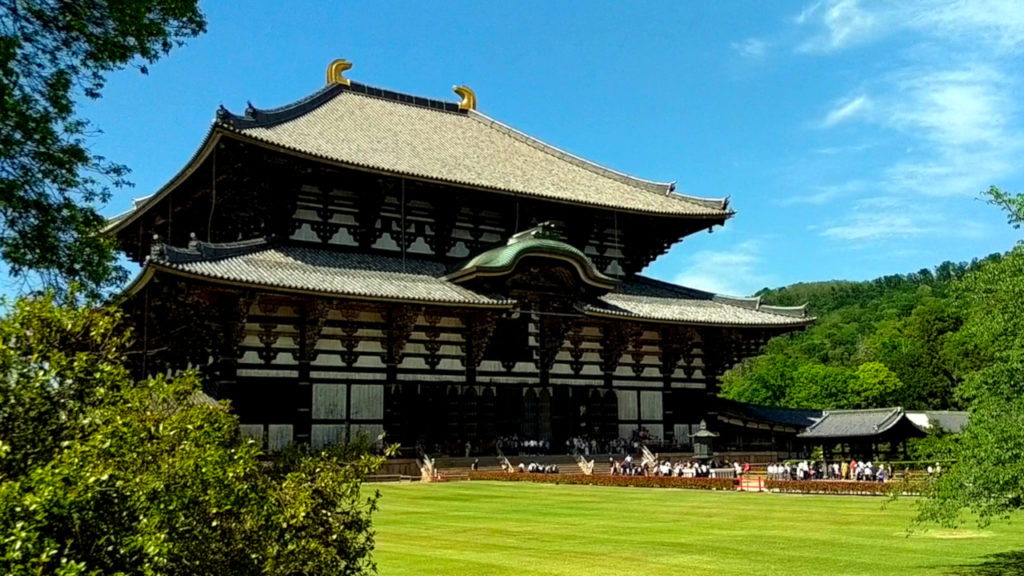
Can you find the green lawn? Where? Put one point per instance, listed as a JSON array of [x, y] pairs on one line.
[[494, 528]]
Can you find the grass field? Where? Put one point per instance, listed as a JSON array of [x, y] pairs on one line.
[[495, 528]]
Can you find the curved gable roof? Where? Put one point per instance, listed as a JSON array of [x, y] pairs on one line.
[[535, 242]]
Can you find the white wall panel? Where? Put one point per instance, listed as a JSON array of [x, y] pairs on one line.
[[329, 401], [325, 434], [367, 402], [650, 405], [279, 436], [627, 404]]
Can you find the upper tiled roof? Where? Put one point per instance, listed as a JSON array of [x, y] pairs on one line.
[[649, 299], [397, 133], [859, 423]]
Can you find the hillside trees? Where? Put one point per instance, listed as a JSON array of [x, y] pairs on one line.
[[51, 53], [902, 324]]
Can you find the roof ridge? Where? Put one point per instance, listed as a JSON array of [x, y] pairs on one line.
[[198, 250], [264, 117]]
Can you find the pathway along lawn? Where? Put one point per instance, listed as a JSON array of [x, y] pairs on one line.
[[496, 528]]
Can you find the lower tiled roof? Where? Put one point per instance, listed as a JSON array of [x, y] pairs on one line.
[[859, 423], [291, 267], [309, 269], [648, 299]]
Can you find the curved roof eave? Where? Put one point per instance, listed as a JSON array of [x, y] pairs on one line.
[[638, 318], [151, 268], [122, 220]]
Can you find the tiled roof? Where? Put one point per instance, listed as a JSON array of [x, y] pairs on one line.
[[649, 299], [859, 423], [796, 417], [401, 134], [290, 267], [948, 420], [328, 272]]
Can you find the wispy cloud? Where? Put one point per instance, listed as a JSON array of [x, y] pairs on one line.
[[883, 218], [752, 48], [963, 120], [953, 107], [828, 193], [835, 25], [838, 24], [733, 272], [846, 109], [997, 23], [951, 94]]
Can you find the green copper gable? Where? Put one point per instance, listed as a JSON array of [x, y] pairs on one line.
[[542, 241]]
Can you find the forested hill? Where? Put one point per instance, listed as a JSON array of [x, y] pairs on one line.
[[894, 340]]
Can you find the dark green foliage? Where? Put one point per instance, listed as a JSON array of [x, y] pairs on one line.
[[883, 342], [52, 52], [102, 475], [988, 475]]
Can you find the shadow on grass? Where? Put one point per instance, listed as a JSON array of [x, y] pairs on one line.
[[1001, 564]]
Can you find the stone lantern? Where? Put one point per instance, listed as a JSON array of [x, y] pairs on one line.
[[702, 449]]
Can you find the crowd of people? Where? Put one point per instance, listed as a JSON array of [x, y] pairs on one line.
[[680, 468], [852, 470], [587, 445], [522, 446]]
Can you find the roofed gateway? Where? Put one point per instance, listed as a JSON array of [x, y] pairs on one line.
[[364, 260]]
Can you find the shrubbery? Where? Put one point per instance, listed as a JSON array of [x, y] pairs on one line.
[[103, 475]]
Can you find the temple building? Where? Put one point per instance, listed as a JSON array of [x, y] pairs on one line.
[[364, 260]]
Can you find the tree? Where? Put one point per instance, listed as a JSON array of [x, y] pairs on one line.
[[51, 52], [875, 385], [987, 477], [153, 477], [1012, 204]]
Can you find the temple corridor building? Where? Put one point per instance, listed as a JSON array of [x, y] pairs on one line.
[[364, 260]]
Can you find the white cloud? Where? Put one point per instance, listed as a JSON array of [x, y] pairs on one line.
[[752, 48], [733, 272], [998, 23], [839, 23], [847, 109], [885, 218], [825, 194], [963, 122], [865, 227], [954, 107]]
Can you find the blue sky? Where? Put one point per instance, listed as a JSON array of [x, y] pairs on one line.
[[852, 137]]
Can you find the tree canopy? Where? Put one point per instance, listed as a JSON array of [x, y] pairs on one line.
[[103, 475], [53, 52]]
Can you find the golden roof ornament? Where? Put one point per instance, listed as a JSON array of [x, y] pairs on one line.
[[468, 97], [335, 71]]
